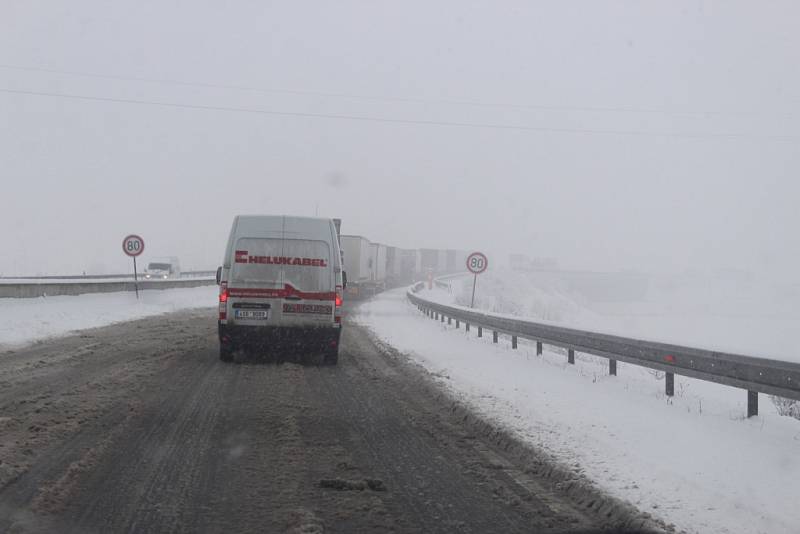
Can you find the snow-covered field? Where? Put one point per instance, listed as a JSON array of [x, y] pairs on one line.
[[30, 319], [141, 278], [727, 314], [694, 460]]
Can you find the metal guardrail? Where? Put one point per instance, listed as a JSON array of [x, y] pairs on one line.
[[756, 375]]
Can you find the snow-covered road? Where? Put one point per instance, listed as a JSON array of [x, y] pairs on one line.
[[694, 460]]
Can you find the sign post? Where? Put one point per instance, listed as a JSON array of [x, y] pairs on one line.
[[476, 264], [133, 245]]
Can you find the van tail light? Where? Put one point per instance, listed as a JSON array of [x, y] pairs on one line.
[[337, 310], [223, 301], [339, 299]]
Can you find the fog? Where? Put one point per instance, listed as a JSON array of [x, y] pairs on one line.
[[607, 135]]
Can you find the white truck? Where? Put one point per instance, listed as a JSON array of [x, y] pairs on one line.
[[162, 269], [378, 261], [357, 264]]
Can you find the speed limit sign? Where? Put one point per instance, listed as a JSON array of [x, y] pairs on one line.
[[133, 245], [477, 262]]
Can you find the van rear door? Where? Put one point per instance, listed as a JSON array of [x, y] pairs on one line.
[[308, 282], [255, 286], [282, 282]]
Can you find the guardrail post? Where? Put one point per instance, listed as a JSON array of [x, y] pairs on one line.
[[570, 356], [612, 367], [513, 342], [670, 385], [494, 336], [458, 324], [480, 331], [538, 348], [752, 403], [466, 325]]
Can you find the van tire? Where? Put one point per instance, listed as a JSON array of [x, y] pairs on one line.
[[331, 357], [225, 352]]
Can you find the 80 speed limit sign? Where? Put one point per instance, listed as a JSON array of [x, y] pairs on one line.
[[477, 262], [133, 245]]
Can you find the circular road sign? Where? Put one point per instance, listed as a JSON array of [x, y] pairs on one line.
[[477, 262], [133, 245]]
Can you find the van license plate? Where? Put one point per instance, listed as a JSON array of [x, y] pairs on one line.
[[253, 315]]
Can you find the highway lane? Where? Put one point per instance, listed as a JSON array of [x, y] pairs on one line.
[[138, 427]]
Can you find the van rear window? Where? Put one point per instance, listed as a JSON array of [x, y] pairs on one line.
[[303, 263]]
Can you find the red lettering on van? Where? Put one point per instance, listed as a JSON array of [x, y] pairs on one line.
[[242, 256]]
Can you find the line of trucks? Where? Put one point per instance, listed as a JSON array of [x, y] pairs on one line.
[[373, 267]]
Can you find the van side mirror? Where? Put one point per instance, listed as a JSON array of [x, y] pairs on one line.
[[219, 275], [344, 279]]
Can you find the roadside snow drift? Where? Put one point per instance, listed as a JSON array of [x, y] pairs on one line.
[[26, 320], [694, 460], [740, 316]]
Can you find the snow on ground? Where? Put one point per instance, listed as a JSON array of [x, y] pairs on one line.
[[694, 460], [730, 314], [142, 278], [30, 319]]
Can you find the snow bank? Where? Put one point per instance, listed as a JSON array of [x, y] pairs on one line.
[[694, 460], [30, 319], [729, 315]]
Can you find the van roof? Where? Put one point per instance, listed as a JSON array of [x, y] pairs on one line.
[[293, 217], [272, 223], [281, 227]]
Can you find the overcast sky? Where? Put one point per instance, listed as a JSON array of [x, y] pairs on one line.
[[608, 135]]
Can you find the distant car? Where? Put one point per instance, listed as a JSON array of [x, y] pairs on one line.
[[281, 284], [162, 269]]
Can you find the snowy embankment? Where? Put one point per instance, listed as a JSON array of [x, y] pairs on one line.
[[30, 319], [694, 460], [733, 315]]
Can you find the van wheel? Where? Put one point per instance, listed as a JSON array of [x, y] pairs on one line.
[[331, 357], [225, 352]]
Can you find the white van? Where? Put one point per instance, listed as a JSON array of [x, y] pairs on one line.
[[281, 285], [162, 268]]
